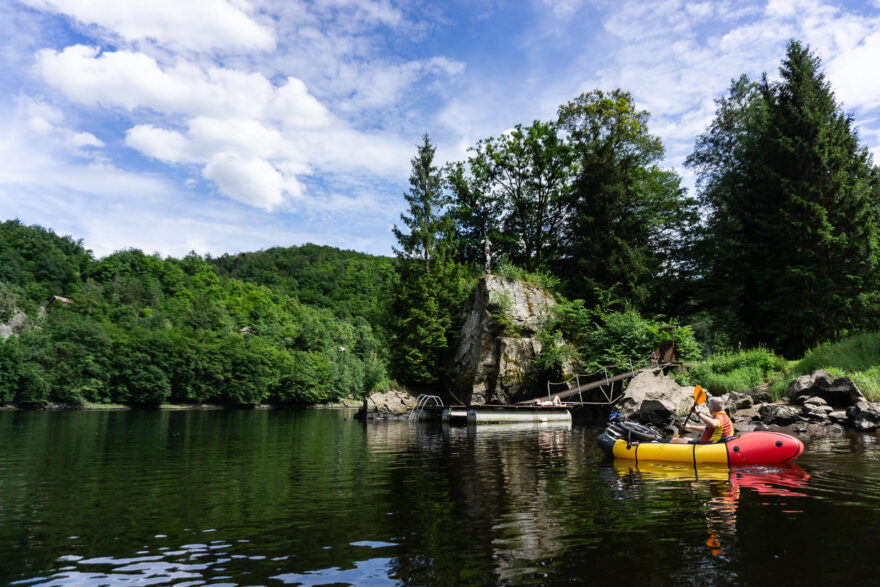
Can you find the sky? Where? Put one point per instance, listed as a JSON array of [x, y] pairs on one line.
[[220, 126]]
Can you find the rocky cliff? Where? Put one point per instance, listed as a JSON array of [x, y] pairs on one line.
[[498, 340]]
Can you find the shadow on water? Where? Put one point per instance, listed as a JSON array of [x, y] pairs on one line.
[[314, 497]]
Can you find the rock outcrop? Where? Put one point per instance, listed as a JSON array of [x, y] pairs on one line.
[[15, 325], [498, 342], [839, 392], [390, 405], [653, 398]]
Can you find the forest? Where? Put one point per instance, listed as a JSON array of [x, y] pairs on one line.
[[296, 325], [777, 251]]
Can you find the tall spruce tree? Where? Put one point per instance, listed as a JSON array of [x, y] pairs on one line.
[[793, 206], [428, 294]]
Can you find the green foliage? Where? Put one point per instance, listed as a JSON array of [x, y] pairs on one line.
[[780, 170], [739, 371], [40, 262], [857, 357], [430, 291], [612, 334], [582, 197], [346, 282], [627, 219], [144, 330], [856, 353]]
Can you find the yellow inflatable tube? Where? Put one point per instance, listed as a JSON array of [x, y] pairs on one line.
[[662, 451]]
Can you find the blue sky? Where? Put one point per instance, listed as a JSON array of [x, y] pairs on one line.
[[236, 125]]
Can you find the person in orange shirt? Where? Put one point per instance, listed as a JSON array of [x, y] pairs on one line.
[[717, 425]]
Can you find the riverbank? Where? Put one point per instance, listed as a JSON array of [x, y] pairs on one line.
[[59, 407]]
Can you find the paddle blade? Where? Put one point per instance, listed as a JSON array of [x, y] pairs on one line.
[[699, 395]]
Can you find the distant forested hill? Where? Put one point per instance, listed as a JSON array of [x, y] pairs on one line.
[[302, 324], [347, 282]]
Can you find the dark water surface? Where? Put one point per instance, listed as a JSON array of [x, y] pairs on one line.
[[314, 497]]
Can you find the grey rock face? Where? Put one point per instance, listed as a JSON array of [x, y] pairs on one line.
[[654, 398], [498, 343], [839, 392], [393, 404], [15, 325], [740, 401]]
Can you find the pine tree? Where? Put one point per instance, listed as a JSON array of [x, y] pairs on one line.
[[795, 202], [428, 292]]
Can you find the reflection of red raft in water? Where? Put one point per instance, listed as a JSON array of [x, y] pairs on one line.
[[751, 448], [723, 483], [784, 480]]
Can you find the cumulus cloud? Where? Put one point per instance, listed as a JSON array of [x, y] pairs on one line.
[[84, 139], [133, 80], [112, 208], [197, 25], [165, 145], [265, 133], [847, 71], [249, 180]]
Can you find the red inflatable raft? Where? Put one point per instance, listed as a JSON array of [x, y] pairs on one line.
[[751, 448]]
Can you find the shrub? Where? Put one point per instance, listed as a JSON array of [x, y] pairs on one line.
[[612, 334]]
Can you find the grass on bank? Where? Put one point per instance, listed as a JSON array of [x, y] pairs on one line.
[[857, 357], [741, 371]]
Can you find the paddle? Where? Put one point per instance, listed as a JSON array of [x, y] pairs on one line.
[[699, 398]]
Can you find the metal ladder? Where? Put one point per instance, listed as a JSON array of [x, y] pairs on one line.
[[421, 402]]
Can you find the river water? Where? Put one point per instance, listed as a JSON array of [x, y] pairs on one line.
[[316, 497]]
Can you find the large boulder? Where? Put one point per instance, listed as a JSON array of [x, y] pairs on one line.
[[390, 405], [498, 340], [654, 398], [839, 392]]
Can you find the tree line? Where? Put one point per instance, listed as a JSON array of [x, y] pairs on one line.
[[779, 246], [295, 325]]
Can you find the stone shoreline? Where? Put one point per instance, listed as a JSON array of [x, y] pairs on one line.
[[817, 405]]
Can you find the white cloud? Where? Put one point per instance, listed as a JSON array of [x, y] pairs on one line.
[[165, 145], [848, 74], [134, 80], [84, 139], [197, 25], [262, 132], [250, 180]]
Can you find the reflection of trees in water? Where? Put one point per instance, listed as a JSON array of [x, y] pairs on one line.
[[494, 504], [483, 507]]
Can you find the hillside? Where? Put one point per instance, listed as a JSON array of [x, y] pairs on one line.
[[285, 325]]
